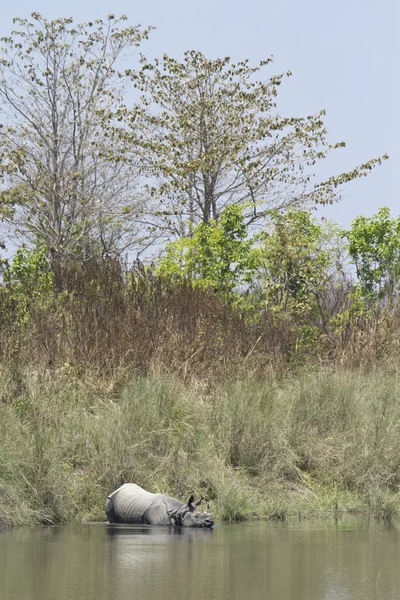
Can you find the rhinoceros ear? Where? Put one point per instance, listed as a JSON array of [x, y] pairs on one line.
[[199, 501], [190, 503]]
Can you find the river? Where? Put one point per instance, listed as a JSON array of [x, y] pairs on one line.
[[346, 560]]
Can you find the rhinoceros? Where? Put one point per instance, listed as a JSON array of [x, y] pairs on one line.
[[132, 504]]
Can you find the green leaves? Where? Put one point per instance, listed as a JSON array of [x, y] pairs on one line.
[[374, 246], [295, 261], [218, 255], [28, 281]]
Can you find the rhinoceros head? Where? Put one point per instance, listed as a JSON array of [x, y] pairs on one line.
[[196, 518]]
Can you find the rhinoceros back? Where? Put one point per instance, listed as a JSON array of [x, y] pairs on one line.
[[130, 503]]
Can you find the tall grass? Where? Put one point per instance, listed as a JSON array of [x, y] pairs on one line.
[[321, 443], [104, 317], [127, 376]]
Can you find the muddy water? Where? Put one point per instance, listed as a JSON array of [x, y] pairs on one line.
[[348, 560]]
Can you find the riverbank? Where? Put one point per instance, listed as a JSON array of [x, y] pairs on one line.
[[317, 444]]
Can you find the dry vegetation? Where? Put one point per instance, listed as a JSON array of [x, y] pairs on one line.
[[135, 378]]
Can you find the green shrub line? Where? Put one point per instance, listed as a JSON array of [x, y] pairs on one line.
[[319, 443]]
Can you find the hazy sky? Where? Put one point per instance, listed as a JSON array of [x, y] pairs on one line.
[[344, 55]]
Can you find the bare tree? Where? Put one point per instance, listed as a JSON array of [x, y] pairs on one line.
[[60, 184]]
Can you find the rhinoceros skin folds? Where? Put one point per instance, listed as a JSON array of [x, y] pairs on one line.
[[132, 504]]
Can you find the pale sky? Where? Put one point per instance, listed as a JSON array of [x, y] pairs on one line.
[[344, 55]]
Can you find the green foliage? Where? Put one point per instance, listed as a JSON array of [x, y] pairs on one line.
[[295, 261], [218, 254], [374, 246], [28, 281]]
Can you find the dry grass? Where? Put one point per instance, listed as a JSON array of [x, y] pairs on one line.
[[126, 376], [318, 444], [108, 318]]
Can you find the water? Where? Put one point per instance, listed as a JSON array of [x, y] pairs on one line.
[[348, 560]]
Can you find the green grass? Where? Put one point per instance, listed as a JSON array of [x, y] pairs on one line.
[[318, 444]]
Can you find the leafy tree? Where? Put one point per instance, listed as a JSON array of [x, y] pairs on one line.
[[28, 281], [296, 262], [60, 187], [208, 135], [374, 246], [218, 254]]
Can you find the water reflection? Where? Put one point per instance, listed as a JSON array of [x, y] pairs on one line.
[[347, 560], [117, 530]]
